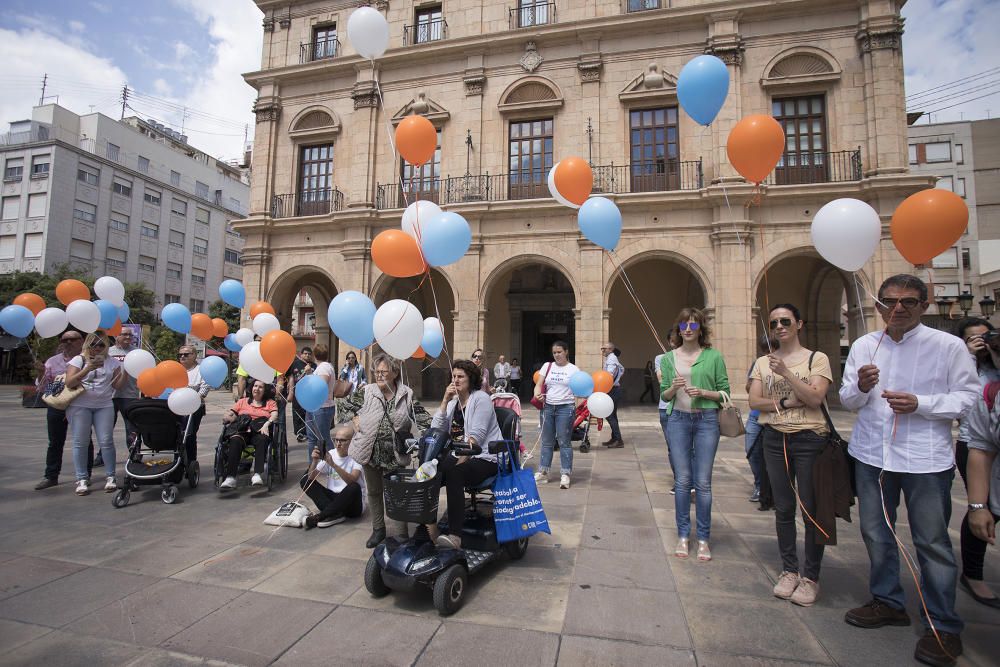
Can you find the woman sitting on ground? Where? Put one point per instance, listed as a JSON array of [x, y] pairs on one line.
[[263, 413], [466, 411], [338, 491]]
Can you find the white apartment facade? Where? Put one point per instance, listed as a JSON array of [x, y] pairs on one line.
[[129, 199]]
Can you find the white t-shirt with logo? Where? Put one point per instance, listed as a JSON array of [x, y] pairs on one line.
[[97, 383], [333, 479], [557, 391]]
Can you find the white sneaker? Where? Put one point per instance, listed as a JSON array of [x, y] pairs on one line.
[[542, 477], [564, 481], [110, 485], [82, 487], [256, 480], [228, 483]]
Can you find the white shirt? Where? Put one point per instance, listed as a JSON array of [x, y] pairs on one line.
[[557, 391], [501, 370], [196, 382], [326, 371], [332, 477], [934, 366], [612, 365]]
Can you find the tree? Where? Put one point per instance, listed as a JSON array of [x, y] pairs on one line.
[[164, 343], [231, 315]]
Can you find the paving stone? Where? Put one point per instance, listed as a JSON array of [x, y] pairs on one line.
[[719, 577], [708, 659], [345, 541], [321, 578], [239, 567], [164, 557], [23, 573], [621, 538], [563, 536], [596, 652], [623, 569], [540, 564], [466, 644], [645, 616], [58, 602], [15, 633], [621, 515], [95, 546], [63, 649]]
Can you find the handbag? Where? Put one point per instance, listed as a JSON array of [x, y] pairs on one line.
[[517, 509], [540, 402], [730, 419], [341, 388], [58, 396], [836, 439]]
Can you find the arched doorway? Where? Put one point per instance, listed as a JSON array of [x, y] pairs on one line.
[[300, 298], [663, 286]]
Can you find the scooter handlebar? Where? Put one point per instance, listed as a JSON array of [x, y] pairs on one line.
[[472, 450]]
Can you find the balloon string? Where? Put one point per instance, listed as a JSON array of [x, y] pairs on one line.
[[795, 489], [861, 310], [631, 290]]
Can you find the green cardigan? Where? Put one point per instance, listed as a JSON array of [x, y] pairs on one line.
[[707, 372]]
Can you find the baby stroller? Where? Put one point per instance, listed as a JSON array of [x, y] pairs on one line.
[[581, 427], [276, 463], [156, 455], [505, 399]]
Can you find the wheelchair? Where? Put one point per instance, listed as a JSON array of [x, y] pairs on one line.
[[275, 462]]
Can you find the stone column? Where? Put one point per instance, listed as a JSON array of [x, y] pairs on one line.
[[267, 109], [591, 327], [731, 302], [880, 41], [363, 143], [590, 117], [724, 42]]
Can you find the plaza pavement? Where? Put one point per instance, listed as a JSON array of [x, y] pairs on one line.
[[205, 582]]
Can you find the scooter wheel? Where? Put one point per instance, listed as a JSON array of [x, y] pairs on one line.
[[373, 579], [449, 589], [516, 549]]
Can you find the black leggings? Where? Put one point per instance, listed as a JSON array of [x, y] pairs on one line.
[[455, 477], [346, 503], [236, 445], [973, 548]]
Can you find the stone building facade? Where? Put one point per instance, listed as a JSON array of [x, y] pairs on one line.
[[514, 88]]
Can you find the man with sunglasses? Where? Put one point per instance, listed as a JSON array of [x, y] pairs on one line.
[[188, 357], [908, 384], [70, 345]]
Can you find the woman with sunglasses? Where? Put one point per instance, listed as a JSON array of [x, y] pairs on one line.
[[693, 377], [788, 387], [99, 375], [477, 359]]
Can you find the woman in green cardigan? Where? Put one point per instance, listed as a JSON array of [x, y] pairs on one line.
[[693, 379]]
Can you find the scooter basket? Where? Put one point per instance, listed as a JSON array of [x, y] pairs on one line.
[[409, 500]]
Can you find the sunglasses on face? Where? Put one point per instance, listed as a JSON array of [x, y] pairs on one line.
[[477, 356], [908, 303], [688, 326], [71, 339], [783, 321], [186, 354]]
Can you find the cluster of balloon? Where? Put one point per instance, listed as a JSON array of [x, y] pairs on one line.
[[28, 311], [928, 223], [571, 181], [594, 387], [754, 147]]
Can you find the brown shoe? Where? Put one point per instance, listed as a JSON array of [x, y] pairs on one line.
[[614, 444], [876, 614], [940, 654]]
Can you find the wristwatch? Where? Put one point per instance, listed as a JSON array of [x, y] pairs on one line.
[[976, 506], [781, 403]]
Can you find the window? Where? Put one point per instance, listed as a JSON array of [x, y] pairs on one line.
[[8, 246], [88, 175], [913, 153], [425, 179], [654, 150], [113, 152], [197, 306], [324, 42], [946, 183], [178, 206], [115, 259], [151, 197], [530, 153], [81, 249], [36, 204], [642, 5], [119, 222], [122, 187], [315, 179], [150, 231], [198, 276], [233, 257], [175, 178], [201, 190], [430, 25], [960, 187], [143, 164], [946, 260], [201, 215], [534, 12], [11, 208], [804, 122], [959, 154], [13, 169], [966, 259], [33, 245], [174, 270], [85, 212], [40, 166], [147, 263], [200, 246], [938, 151], [176, 238], [170, 298]]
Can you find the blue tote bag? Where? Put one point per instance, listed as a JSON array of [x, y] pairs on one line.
[[517, 509]]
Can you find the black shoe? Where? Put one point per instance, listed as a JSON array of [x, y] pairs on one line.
[[45, 484], [614, 444], [942, 653], [989, 602], [876, 614], [310, 521], [378, 536]]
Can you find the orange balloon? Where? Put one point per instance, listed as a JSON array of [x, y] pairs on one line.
[[395, 252], [928, 223], [603, 381], [31, 301], [149, 383], [115, 329], [754, 146], [219, 327], [261, 307], [419, 354], [68, 291], [201, 326], [574, 179], [416, 139], [278, 349], [171, 375], [537, 376]]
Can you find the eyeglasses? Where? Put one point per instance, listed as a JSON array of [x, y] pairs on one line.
[[908, 303], [341, 439], [688, 326], [783, 321], [185, 354], [382, 373]]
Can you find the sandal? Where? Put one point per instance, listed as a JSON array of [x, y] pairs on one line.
[[681, 550]]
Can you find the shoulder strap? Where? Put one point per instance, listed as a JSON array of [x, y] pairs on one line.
[[822, 406], [813, 354]]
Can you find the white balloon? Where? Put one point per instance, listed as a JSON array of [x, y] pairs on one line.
[[265, 322], [184, 401], [398, 328], [138, 361], [84, 315], [419, 211], [50, 322], [555, 193], [600, 405], [110, 289], [254, 364], [243, 336], [368, 32], [846, 233]]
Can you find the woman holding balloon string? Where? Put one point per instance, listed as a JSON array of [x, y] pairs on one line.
[[553, 388]]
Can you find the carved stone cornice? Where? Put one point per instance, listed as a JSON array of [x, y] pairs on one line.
[[875, 36], [474, 81], [590, 67], [267, 109], [729, 49], [268, 24], [365, 95]]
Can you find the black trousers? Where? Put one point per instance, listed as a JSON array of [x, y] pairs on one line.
[[298, 418], [346, 503], [236, 445], [616, 395], [191, 440], [120, 404], [515, 386], [455, 477], [973, 548], [56, 424]]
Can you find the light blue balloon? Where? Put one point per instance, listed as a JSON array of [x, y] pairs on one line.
[[123, 312], [445, 239], [433, 342], [601, 222], [166, 394], [232, 292], [231, 343], [311, 392], [702, 88], [581, 384], [109, 313], [16, 320], [177, 317], [214, 371], [351, 315]]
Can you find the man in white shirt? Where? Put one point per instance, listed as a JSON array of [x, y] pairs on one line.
[[613, 366], [907, 385], [335, 482], [501, 371]]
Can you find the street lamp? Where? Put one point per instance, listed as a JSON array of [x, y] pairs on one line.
[[943, 306], [965, 302], [987, 307]]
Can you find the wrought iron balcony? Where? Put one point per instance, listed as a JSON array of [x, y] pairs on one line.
[[649, 176], [319, 50], [425, 31], [308, 202], [529, 14], [808, 167]]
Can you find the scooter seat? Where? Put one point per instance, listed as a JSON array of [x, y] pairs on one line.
[[485, 485]]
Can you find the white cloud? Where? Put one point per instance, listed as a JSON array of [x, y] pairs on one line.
[[102, 7], [181, 50], [162, 88], [77, 26]]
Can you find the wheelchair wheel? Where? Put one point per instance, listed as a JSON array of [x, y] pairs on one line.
[[284, 459], [218, 467], [269, 470]]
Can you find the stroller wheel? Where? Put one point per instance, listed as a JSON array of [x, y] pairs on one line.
[[120, 499], [194, 475], [169, 494], [585, 446]]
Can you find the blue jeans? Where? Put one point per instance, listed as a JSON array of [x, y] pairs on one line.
[[754, 456], [318, 425], [928, 506], [557, 424], [694, 439], [102, 421]]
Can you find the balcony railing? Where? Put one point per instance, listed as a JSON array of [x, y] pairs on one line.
[[426, 31], [320, 50], [643, 5], [309, 202], [652, 176], [807, 167], [530, 14]]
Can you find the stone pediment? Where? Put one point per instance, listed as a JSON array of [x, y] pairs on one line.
[[314, 121], [801, 65], [653, 84], [421, 105]]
